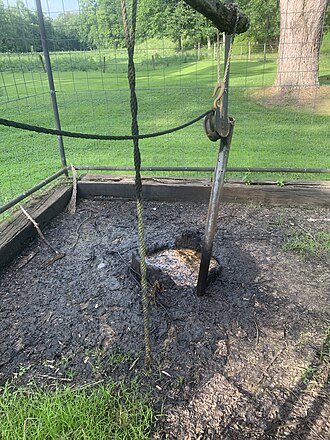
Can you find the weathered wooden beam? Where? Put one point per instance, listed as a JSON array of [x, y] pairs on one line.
[[16, 232], [223, 16], [295, 193]]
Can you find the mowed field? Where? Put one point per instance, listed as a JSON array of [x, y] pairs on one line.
[[172, 88]]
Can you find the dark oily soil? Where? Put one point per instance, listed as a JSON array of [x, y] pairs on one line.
[[248, 361]]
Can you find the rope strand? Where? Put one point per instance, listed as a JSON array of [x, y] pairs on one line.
[[100, 137], [221, 86], [130, 41]]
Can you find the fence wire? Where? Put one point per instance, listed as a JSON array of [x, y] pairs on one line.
[[176, 65]]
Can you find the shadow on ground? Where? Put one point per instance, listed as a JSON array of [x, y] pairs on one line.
[[250, 360]]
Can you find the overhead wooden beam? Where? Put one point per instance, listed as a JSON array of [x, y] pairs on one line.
[[223, 16]]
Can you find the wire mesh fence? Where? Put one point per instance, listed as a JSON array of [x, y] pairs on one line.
[[176, 69]]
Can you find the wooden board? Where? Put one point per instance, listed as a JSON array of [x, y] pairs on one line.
[[294, 193], [16, 232]]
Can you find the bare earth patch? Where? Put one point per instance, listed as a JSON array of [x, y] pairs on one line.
[[312, 100], [250, 360]]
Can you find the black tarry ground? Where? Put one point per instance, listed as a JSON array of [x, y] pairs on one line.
[[246, 361]]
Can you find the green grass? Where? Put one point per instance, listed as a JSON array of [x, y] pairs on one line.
[[105, 412], [309, 245], [175, 89]]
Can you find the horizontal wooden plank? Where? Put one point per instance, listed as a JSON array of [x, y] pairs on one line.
[[295, 193], [16, 232]]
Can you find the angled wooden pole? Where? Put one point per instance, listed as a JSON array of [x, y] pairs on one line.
[[223, 16]]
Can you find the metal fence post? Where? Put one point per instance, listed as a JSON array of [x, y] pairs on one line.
[[216, 191], [48, 65]]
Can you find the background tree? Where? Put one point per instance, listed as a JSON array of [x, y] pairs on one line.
[[300, 41], [19, 29], [195, 30], [67, 31], [4, 27], [109, 22], [175, 20], [154, 17], [264, 18]]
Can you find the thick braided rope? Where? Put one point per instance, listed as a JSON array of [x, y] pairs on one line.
[[130, 40], [100, 137]]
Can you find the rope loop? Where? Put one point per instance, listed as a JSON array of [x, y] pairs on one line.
[[221, 86]]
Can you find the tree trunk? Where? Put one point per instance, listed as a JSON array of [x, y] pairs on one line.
[[179, 43], [198, 51], [300, 42]]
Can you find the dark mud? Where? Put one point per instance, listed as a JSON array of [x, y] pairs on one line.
[[248, 361]]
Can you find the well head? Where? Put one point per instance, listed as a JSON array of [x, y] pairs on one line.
[[176, 265]]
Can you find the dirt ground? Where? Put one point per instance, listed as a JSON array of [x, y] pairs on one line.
[[248, 361], [316, 98]]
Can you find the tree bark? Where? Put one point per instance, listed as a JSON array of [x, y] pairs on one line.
[[222, 16], [300, 42]]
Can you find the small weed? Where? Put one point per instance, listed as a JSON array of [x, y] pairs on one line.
[[22, 370], [280, 183], [325, 347], [118, 358], [280, 220], [179, 381], [308, 374], [247, 179], [307, 245], [95, 361], [320, 368]]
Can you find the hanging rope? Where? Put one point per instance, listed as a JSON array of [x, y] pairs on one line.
[[221, 85], [130, 43], [100, 137]]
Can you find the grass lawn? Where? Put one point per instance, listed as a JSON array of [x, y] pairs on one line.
[[175, 89], [111, 411]]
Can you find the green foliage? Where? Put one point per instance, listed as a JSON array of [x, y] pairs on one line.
[[107, 61], [19, 31], [102, 25], [264, 18], [153, 17], [68, 32], [98, 25], [100, 413]]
